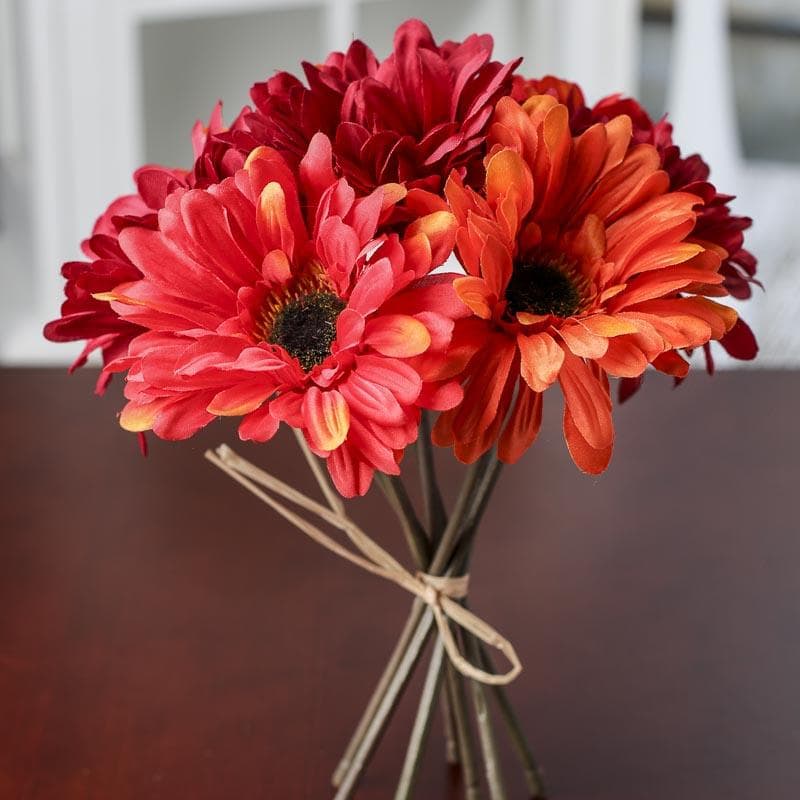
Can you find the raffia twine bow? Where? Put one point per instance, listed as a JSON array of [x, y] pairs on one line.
[[440, 592]]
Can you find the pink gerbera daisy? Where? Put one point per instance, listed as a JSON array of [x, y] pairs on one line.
[[270, 297]]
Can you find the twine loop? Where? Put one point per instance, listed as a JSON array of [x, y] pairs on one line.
[[441, 593]]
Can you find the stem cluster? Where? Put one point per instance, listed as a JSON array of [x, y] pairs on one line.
[[441, 545]]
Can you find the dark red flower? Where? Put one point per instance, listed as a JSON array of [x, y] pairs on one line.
[[83, 316], [716, 224], [410, 119]]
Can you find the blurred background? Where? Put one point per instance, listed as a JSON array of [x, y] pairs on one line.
[[89, 89]]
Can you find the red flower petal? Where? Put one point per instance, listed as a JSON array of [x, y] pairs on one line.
[[398, 377], [240, 399], [259, 425]]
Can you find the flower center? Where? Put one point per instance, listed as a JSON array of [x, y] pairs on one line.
[[542, 288], [305, 327]]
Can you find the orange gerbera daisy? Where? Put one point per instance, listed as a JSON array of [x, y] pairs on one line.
[[578, 269]]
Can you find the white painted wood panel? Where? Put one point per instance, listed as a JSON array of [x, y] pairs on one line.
[[71, 146]]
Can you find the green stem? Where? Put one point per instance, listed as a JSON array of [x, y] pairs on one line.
[[464, 735], [491, 760], [533, 775], [378, 693], [422, 724], [456, 524], [448, 724], [387, 702], [398, 498], [452, 549], [483, 493], [386, 706], [435, 513]]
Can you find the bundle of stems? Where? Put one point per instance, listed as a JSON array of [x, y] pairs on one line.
[[460, 665], [441, 545]]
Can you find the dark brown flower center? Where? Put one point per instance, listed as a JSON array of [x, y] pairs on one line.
[[306, 327], [542, 288]]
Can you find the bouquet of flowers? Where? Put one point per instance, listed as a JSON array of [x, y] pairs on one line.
[[412, 250]]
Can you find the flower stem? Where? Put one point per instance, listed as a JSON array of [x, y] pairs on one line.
[[491, 760], [415, 534], [464, 735], [533, 776], [422, 724], [456, 525], [386, 706], [386, 703], [452, 549], [448, 723], [435, 513], [378, 693]]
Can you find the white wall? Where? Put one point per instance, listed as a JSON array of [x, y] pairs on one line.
[[109, 84]]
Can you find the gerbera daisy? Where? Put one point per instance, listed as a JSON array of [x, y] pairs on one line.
[[256, 310], [575, 251], [83, 315], [715, 224], [411, 118]]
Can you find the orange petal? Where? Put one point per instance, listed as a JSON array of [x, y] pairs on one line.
[[671, 363], [617, 189], [589, 459], [468, 450], [537, 106], [397, 335], [676, 321], [393, 193], [623, 359], [583, 342], [513, 127], [608, 326], [508, 176], [475, 294], [619, 131], [558, 143], [589, 156], [588, 402], [721, 318], [490, 374], [590, 241], [540, 359], [522, 427], [496, 266], [442, 433], [418, 254], [463, 200], [526, 318], [326, 417], [440, 230]]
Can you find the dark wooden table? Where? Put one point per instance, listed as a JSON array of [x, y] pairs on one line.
[[164, 637]]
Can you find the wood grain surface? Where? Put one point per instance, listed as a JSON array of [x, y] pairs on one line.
[[164, 637]]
